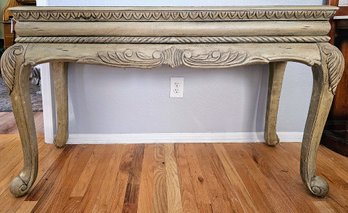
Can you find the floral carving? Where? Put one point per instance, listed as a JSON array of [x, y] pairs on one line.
[[333, 59], [8, 64], [174, 57], [172, 15]]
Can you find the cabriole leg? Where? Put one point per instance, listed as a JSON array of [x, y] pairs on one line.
[[325, 80], [16, 76], [60, 78], [276, 74]]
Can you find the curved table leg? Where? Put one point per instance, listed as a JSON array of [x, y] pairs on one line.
[[276, 74], [16, 76], [325, 80], [60, 78]]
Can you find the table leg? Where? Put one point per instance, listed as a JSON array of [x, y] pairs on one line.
[[276, 74], [60, 78], [325, 80], [16, 76]]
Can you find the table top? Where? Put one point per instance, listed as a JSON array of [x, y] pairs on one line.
[[173, 24], [168, 13]]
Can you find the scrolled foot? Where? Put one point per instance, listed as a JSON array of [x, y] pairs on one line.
[[18, 71], [319, 186], [19, 187]]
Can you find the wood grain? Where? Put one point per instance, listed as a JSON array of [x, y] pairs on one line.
[[246, 177], [174, 178], [173, 186], [188, 197], [146, 192], [160, 195]]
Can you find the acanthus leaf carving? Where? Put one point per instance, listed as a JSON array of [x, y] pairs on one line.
[[334, 61], [174, 57], [9, 62]]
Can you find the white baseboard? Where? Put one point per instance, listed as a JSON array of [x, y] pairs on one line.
[[47, 102], [231, 137]]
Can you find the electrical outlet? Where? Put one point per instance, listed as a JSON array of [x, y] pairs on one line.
[[176, 87]]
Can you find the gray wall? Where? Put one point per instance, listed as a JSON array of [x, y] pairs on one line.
[[110, 100]]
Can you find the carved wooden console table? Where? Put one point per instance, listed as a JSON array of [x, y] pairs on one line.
[[198, 37]]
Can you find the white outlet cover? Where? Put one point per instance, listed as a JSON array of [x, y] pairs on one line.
[[177, 87]]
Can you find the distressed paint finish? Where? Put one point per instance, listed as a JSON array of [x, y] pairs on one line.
[[275, 80], [197, 37], [60, 78]]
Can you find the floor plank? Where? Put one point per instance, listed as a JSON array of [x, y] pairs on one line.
[[243, 177], [147, 181]]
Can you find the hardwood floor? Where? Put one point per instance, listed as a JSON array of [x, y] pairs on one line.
[[243, 177]]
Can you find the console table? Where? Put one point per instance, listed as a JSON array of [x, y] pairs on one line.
[[198, 37]]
